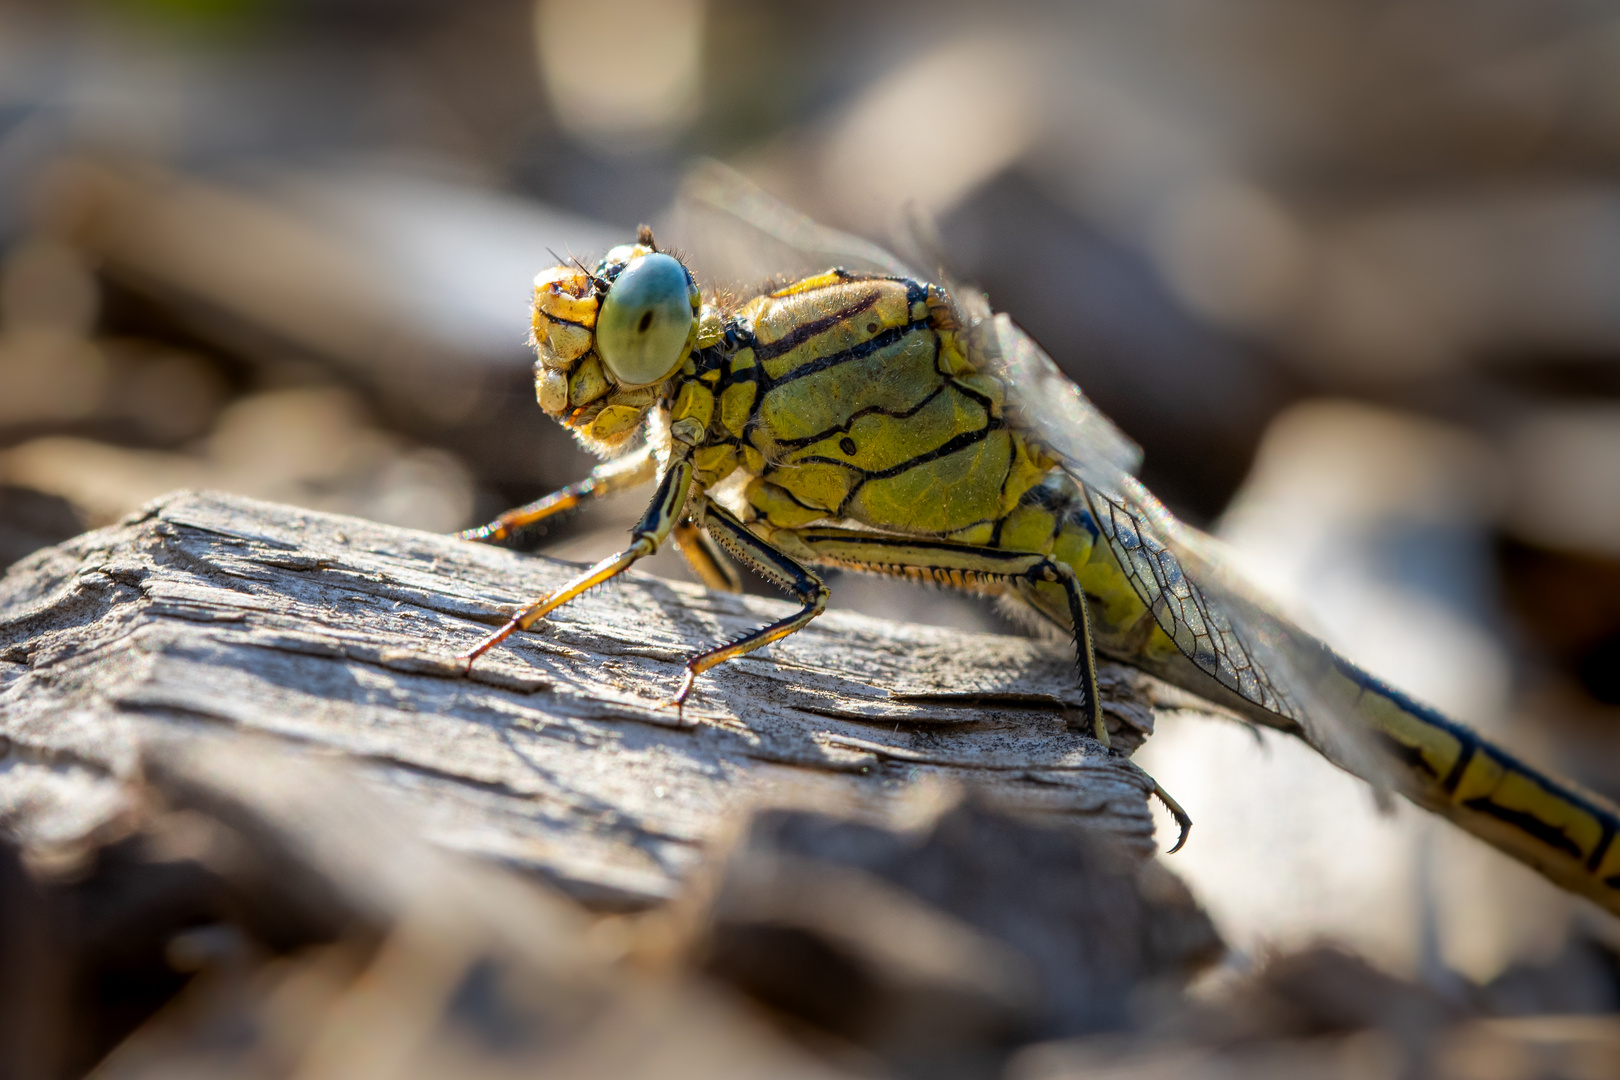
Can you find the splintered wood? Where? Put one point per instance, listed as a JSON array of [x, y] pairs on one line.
[[556, 755]]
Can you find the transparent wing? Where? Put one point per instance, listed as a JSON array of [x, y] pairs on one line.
[[1040, 397], [1047, 403], [1220, 623], [1202, 630], [736, 235]]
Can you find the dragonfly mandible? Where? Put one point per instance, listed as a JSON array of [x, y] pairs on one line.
[[871, 418]]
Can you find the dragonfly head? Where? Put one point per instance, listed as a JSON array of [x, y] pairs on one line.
[[609, 337]]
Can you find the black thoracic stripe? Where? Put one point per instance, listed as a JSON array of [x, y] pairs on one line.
[[748, 339], [855, 352], [800, 502], [805, 331], [995, 531], [843, 429], [707, 360], [987, 521], [989, 405], [730, 374], [1012, 459], [950, 446]]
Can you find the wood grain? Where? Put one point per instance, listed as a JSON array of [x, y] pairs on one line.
[[210, 613]]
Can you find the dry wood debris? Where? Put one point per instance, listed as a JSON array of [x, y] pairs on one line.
[[209, 612]]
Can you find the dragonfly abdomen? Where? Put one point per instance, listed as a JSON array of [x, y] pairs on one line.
[[1554, 825], [1564, 831]]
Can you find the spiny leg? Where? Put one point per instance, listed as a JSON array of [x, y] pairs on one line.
[[961, 566], [707, 561], [1087, 656], [609, 478], [1085, 652], [666, 509], [1183, 819], [774, 566]]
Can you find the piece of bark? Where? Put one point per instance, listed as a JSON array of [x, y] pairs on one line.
[[207, 612], [336, 942], [972, 930]]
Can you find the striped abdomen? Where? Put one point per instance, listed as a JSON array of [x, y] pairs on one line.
[[1553, 825]]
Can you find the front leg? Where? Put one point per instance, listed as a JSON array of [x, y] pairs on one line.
[[778, 568], [608, 478], [668, 503]]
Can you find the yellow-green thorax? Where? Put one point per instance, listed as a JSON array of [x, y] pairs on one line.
[[850, 398]]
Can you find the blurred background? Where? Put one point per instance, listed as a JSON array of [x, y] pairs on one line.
[[1348, 271]]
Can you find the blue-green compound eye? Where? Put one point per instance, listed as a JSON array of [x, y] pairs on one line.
[[646, 320]]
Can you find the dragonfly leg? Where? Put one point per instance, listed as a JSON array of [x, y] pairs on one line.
[[959, 566], [705, 558], [1085, 650], [655, 526], [779, 569], [1183, 819], [609, 478]]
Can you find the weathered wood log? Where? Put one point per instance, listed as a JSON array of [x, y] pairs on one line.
[[209, 612]]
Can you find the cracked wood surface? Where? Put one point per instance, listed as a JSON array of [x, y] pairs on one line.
[[215, 612]]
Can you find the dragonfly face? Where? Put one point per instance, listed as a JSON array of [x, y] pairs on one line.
[[608, 339]]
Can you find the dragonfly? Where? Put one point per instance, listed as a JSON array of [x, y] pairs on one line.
[[870, 418]]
